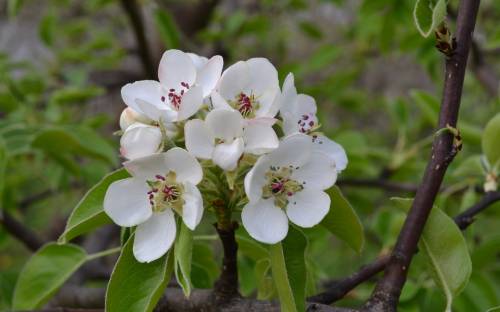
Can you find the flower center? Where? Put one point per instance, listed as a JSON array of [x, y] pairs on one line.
[[165, 193], [245, 104], [307, 123], [280, 185], [175, 96]]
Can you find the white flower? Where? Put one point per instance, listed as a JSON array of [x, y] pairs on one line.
[[299, 116], [140, 140], [287, 184], [184, 80], [250, 87], [130, 116], [223, 137], [160, 185]]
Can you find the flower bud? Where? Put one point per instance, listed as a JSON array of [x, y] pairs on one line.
[[130, 116]]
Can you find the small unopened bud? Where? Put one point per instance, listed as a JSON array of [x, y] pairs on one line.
[[490, 185], [130, 116], [444, 41]]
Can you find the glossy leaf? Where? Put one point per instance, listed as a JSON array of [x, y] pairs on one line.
[[88, 213], [44, 273], [490, 142], [136, 286], [428, 14], [445, 249], [183, 258], [289, 270], [343, 222]]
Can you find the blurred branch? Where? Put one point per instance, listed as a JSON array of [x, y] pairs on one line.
[[466, 218], [29, 238], [386, 294], [340, 288], [379, 183], [133, 11]]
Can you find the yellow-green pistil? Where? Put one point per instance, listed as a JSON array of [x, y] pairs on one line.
[[166, 193], [280, 185], [245, 104]]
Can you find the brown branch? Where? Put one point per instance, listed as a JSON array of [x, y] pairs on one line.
[[29, 238], [386, 294], [466, 218], [133, 11], [340, 288], [226, 287]]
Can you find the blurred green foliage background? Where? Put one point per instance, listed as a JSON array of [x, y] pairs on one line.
[[377, 83]]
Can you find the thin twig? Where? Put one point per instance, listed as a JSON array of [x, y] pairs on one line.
[[133, 11], [25, 235], [466, 218]]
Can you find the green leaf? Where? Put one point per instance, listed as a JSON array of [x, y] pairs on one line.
[[167, 28], [428, 104], [44, 273], [265, 286], [78, 140], [289, 270], [250, 247], [47, 28], [445, 249], [428, 14], [183, 257], [74, 95], [136, 286], [88, 213], [490, 142], [343, 222]]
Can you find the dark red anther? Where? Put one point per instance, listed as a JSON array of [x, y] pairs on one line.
[[159, 177]]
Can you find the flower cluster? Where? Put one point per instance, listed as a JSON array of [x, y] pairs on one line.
[[199, 128]]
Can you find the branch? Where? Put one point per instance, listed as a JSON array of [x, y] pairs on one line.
[[339, 289], [29, 238], [466, 218], [386, 294], [132, 9], [226, 287]]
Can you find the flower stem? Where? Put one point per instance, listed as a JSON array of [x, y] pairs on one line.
[[103, 253]]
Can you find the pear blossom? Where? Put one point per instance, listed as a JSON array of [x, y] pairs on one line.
[[130, 116], [223, 137], [185, 79], [250, 87], [140, 140], [161, 186], [299, 116], [287, 184]]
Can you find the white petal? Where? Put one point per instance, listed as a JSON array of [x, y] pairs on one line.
[[130, 116], [289, 94], [256, 178], [332, 149], [186, 167], [190, 103], [140, 140], [176, 159], [147, 91], [154, 237], [126, 202], [259, 139], [304, 105], [293, 150], [265, 121], [319, 172], [308, 207], [199, 139], [268, 105], [163, 113], [176, 67], [225, 124], [263, 76], [264, 221], [198, 61], [192, 210], [234, 80], [209, 74], [219, 102], [290, 123], [226, 155]]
